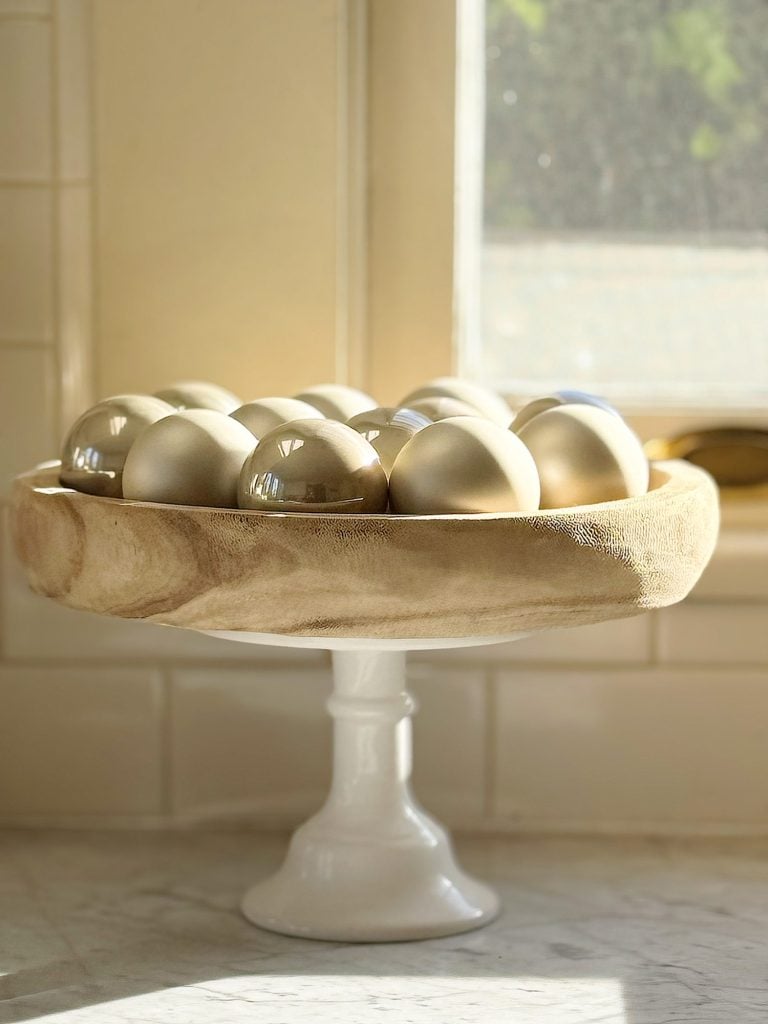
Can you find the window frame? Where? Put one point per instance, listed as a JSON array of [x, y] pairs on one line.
[[437, 197]]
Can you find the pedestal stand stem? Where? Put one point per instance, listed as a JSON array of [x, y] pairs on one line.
[[371, 710], [370, 866]]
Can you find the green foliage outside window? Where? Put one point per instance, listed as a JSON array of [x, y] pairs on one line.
[[627, 116]]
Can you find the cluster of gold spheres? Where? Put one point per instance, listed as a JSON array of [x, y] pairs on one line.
[[449, 447]]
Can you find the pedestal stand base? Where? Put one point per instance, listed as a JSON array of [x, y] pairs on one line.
[[371, 866], [338, 888]]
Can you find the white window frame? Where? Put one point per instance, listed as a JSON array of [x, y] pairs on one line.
[[424, 287]]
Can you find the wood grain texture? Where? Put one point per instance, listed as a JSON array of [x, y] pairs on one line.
[[384, 577]]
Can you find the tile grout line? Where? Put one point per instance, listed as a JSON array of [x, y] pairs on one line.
[[21, 15], [93, 351], [40, 183], [55, 257], [166, 739], [653, 640], [25, 344], [489, 746], [4, 514]]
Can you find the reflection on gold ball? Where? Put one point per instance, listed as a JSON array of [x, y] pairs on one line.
[[483, 400], [188, 458], [585, 454], [199, 394], [337, 401], [557, 398], [313, 466], [440, 407], [95, 449], [464, 465], [265, 414], [387, 430]]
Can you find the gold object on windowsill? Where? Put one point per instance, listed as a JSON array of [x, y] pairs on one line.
[[737, 457]]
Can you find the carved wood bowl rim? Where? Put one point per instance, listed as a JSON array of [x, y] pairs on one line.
[[380, 577], [664, 477]]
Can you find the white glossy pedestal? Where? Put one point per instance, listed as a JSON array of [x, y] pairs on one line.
[[371, 865]]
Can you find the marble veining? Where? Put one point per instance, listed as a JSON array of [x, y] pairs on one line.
[[143, 927]]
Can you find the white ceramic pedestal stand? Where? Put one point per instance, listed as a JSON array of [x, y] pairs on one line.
[[371, 865]]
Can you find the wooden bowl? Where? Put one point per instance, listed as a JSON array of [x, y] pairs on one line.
[[366, 576]]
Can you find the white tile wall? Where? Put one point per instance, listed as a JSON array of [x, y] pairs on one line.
[[656, 749], [449, 737], [25, 99], [715, 634], [73, 92], [79, 743], [739, 567], [26, 252], [27, 409], [652, 723], [75, 301], [25, 8], [248, 745]]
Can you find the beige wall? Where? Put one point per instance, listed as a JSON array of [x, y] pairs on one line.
[[234, 152], [219, 136], [411, 190]]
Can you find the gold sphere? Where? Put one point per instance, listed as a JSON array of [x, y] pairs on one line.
[[189, 458], [96, 446], [387, 430], [441, 407], [265, 414], [483, 400], [557, 398], [337, 401], [464, 465], [199, 394], [584, 455], [313, 466]]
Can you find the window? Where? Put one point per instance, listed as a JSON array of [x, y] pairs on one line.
[[625, 237]]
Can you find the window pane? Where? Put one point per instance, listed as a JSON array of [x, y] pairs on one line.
[[626, 199]]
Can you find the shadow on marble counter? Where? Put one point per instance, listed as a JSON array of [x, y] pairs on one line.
[[143, 927]]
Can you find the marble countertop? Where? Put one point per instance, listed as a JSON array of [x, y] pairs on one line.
[[121, 927]]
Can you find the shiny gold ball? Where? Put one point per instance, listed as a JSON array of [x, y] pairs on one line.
[[189, 458], [464, 465], [483, 400], [557, 398], [313, 466], [585, 454], [440, 407], [265, 414], [387, 430], [199, 394], [95, 449], [337, 401]]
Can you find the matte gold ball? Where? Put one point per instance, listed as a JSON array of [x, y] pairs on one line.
[[265, 414], [388, 430], [464, 465], [557, 398], [95, 449], [189, 458], [199, 394], [337, 401], [584, 455], [440, 407], [483, 400], [313, 466]]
